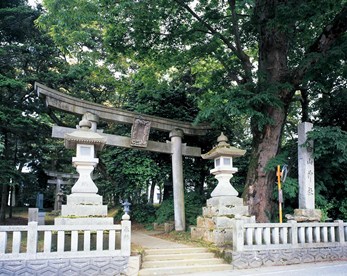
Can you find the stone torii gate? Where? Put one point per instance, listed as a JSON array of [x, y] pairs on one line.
[[141, 125], [58, 181]]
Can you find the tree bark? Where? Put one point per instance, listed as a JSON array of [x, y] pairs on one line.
[[4, 198], [260, 183], [5, 190], [151, 194]]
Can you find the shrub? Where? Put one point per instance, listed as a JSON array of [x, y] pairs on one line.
[[193, 208]]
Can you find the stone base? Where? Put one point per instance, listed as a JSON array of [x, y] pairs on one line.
[[86, 265], [228, 211], [84, 199], [84, 205], [225, 201], [216, 224], [219, 237], [305, 215], [258, 258], [218, 230], [84, 210], [83, 221]]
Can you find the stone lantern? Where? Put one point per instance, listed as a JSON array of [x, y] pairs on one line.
[[224, 207], [223, 169], [84, 202], [86, 142]]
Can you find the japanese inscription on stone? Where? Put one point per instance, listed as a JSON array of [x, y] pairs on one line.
[[306, 168], [140, 132]]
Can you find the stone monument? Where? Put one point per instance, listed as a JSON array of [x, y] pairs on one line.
[[84, 205], [39, 201], [224, 206], [306, 211]]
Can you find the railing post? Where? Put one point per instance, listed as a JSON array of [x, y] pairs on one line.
[[340, 232], [3, 242], [126, 235], [32, 237], [238, 235], [293, 233]]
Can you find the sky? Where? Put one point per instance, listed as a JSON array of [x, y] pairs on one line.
[[34, 2]]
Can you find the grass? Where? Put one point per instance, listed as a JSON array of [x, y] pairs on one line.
[[183, 237]]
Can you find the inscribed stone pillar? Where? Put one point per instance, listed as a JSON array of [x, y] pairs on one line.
[[39, 201], [306, 211], [306, 168], [176, 136]]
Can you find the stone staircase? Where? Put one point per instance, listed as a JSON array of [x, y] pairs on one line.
[[175, 261]]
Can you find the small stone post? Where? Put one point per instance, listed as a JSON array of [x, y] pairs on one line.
[[126, 235], [33, 214], [32, 237], [238, 235], [176, 136]]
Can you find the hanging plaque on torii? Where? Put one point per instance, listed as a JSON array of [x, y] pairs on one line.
[[140, 133], [141, 125]]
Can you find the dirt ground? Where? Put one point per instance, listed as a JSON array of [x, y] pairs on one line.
[[16, 221]]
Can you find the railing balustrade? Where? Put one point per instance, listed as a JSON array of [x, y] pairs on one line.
[[266, 236], [35, 241]]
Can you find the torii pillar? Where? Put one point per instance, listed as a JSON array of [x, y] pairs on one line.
[[176, 136]]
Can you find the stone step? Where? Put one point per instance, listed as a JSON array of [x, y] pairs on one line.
[[183, 269], [186, 262], [179, 250], [182, 256]]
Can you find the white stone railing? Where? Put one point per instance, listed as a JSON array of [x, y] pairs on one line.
[[267, 236], [35, 241]]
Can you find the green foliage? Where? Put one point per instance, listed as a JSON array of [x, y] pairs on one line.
[[330, 141], [330, 152], [143, 213], [343, 209], [26, 55], [193, 208], [165, 212]]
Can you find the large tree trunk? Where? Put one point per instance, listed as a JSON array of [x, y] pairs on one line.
[[260, 183], [4, 199], [273, 72], [151, 194], [5, 186]]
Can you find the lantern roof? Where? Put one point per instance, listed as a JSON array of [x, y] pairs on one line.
[[223, 148], [84, 135]]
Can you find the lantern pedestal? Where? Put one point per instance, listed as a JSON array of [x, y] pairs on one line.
[[224, 188]]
